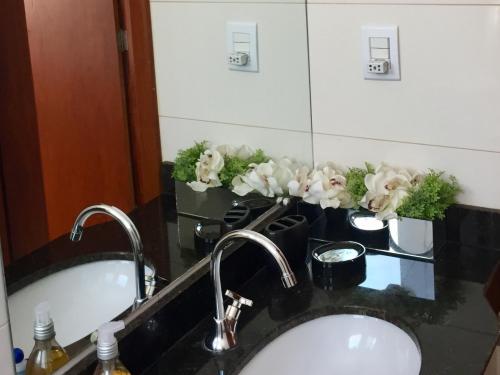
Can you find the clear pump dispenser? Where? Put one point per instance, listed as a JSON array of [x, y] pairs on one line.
[[47, 355], [107, 350]]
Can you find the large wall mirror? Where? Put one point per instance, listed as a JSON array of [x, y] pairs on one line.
[[99, 97], [106, 94]]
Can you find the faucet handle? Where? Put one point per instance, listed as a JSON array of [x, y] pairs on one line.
[[233, 311], [238, 300]]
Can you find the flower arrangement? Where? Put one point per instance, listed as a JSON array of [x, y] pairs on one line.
[[203, 166], [386, 190]]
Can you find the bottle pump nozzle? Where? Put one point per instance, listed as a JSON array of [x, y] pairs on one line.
[[43, 326], [107, 346]]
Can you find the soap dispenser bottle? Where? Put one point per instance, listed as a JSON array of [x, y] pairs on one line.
[[107, 350], [47, 355]]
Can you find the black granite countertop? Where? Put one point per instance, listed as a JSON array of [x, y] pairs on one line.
[[440, 302]]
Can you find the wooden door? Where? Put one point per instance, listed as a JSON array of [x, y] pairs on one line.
[[79, 95], [25, 227]]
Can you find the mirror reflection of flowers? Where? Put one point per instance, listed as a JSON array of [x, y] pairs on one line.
[[207, 171], [204, 165], [269, 179]]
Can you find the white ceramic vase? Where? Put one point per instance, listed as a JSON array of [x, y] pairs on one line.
[[413, 236]]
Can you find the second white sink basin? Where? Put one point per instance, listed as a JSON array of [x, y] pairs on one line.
[[340, 345], [81, 299]]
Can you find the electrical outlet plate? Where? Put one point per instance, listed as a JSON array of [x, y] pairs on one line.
[[242, 37], [381, 31]]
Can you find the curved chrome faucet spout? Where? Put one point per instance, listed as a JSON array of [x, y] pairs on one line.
[[133, 235], [224, 335]]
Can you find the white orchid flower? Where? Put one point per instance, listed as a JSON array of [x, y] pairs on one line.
[[208, 167], [283, 171], [300, 183], [226, 150], [240, 187], [245, 152], [385, 206], [412, 175], [257, 178], [338, 169], [327, 187], [269, 179], [387, 188]]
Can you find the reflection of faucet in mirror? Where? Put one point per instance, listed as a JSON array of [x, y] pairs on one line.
[[133, 235], [224, 335]]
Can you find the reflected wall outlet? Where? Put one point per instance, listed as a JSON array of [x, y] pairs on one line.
[[241, 40], [380, 52]]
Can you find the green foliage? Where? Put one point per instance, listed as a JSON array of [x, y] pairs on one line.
[[185, 162], [355, 184], [430, 199], [234, 166]]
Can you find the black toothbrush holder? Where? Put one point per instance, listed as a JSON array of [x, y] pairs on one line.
[[237, 217], [257, 205], [290, 234]]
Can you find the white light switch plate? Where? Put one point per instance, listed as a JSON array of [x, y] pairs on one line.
[[237, 35], [381, 31]]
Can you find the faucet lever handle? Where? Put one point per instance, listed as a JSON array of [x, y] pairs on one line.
[[238, 300]]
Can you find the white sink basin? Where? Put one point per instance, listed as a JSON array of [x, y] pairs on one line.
[[340, 345], [81, 299]]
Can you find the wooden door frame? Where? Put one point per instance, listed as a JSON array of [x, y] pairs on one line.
[[142, 107], [17, 105], [4, 238]]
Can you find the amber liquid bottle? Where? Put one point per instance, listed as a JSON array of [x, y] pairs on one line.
[[111, 367], [47, 355], [107, 350]]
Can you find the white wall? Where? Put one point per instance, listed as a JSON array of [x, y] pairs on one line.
[[6, 362], [200, 98], [443, 114]]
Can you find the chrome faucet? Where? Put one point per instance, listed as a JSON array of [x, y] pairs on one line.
[[224, 335], [133, 235]]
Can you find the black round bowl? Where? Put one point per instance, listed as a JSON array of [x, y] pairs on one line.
[[338, 264], [369, 230]]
